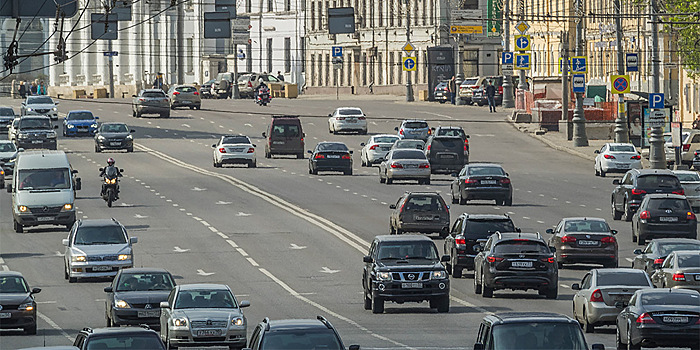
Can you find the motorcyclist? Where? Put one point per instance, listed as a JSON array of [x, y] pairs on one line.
[[107, 170], [262, 87]]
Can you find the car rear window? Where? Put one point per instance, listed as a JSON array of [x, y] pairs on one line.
[[7, 147], [666, 249], [666, 298], [586, 226], [301, 339], [80, 116], [408, 154], [153, 94], [451, 132], [607, 278], [486, 171], [332, 147], [688, 177], [622, 148], [236, 139], [7, 112], [286, 130], [185, 89], [424, 203], [126, 341], [415, 125], [348, 111], [385, 139], [524, 246], [414, 144], [451, 143], [668, 203], [470, 82], [658, 181], [538, 335], [483, 228], [688, 260]]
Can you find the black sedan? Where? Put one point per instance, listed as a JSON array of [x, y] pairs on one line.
[[663, 216], [205, 89], [134, 296], [114, 136], [17, 300], [482, 181], [442, 92], [660, 318], [654, 254], [330, 156]]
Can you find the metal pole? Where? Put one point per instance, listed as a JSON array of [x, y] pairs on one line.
[[337, 93], [522, 84], [508, 101], [409, 87], [621, 131], [579, 119], [235, 93], [657, 156], [111, 69], [181, 43], [460, 72], [565, 84]]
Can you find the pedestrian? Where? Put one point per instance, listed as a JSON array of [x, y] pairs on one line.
[[28, 87], [696, 122], [34, 88], [280, 77], [42, 88], [491, 96], [452, 86], [22, 90]]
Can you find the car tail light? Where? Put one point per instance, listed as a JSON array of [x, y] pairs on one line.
[[680, 192], [319, 156], [430, 132], [645, 318], [424, 166], [362, 118], [500, 90], [345, 156], [690, 216], [493, 259], [222, 150], [659, 261], [505, 181], [636, 157], [176, 93], [568, 239], [644, 215], [428, 148], [597, 295], [638, 192], [465, 146], [340, 118], [470, 181], [195, 93], [400, 131], [609, 156], [678, 277], [396, 165], [142, 99], [550, 260], [609, 239], [251, 150], [250, 84], [460, 241], [373, 147], [686, 147]]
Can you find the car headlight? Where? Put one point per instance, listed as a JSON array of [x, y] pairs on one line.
[[29, 109], [70, 126], [93, 125], [22, 208], [121, 304], [51, 135], [180, 322], [101, 138], [78, 258], [438, 275], [129, 137], [124, 257], [67, 206], [54, 109], [384, 276], [237, 321], [23, 136], [26, 307]]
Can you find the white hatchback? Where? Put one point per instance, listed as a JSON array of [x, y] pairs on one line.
[[347, 119], [376, 148], [234, 149], [616, 158]]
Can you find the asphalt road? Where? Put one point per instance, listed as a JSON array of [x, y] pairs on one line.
[[290, 242]]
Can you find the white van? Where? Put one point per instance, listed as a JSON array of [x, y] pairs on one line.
[[43, 190]]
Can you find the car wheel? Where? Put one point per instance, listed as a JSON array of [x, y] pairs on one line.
[[615, 214], [611, 265], [452, 196], [595, 167], [631, 346], [348, 172], [31, 330], [462, 200], [456, 271], [362, 161], [560, 265], [509, 202], [587, 326], [627, 214], [426, 182], [552, 293], [97, 149], [389, 180], [486, 292], [381, 178], [216, 164], [166, 115], [443, 304], [65, 271], [253, 164], [377, 305], [392, 231], [368, 301], [444, 233], [641, 240], [602, 173], [172, 107], [109, 322], [268, 155], [618, 341], [191, 107], [477, 285], [130, 150], [300, 156], [19, 228], [314, 171]]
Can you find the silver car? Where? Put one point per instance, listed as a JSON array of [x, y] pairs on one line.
[[12, 129], [681, 269], [203, 315], [414, 129], [234, 149], [151, 101], [405, 164], [40, 105], [184, 96], [347, 119], [97, 248], [408, 144], [376, 148], [599, 291], [690, 180], [8, 155], [616, 158]]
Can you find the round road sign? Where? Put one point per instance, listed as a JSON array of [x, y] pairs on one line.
[[620, 84]]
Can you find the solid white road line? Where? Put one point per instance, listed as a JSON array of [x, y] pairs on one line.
[[53, 325]]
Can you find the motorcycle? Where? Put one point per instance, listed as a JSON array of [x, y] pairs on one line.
[[263, 97], [110, 186]]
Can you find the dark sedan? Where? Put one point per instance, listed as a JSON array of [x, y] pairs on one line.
[[482, 181], [660, 318], [17, 305], [636, 184], [663, 216], [442, 92], [657, 250], [114, 136], [7, 115], [330, 156], [135, 295], [584, 240], [205, 89]]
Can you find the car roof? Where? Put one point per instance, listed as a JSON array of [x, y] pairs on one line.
[[642, 172], [402, 238], [582, 218], [666, 290], [42, 159], [520, 235], [484, 165], [664, 195], [413, 120], [485, 216], [152, 90], [619, 144], [693, 172], [296, 324], [675, 240], [80, 111], [384, 135], [619, 269], [422, 193], [203, 286], [527, 317], [339, 108], [112, 123], [59, 347], [411, 141], [6, 141], [10, 273], [449, 127], [686, 252], [144, 270], [98, 222], [112, 330]]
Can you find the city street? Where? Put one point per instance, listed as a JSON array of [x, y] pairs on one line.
[[289, 242]]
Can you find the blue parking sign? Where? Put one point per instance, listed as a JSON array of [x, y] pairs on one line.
[[337, 51], [506, 57], [656, 101]]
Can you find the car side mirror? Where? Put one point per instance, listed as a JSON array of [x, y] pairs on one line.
[[597, 347], [56, 103], [613, 232], [616, 182], [164, 304], [309, 152], [101, 169], [637, 252], [97, 117], [478, 346], [362, 144], [550, 231], [350, 152], [445, 258], [354, 347], [621, 304], [9, 188], [133, 240], [254, 145], [65, 242], [74, 171], [392, 206], [55, 126], [552, 249], [367, 259], [396, 128], [575, 286], [78, 184], [121, 170], [214, 145], [264, 134], [596, 151], [467, 136], [36, 290], [9, 126], [132, 131], [330, 115], [108, 289], [477, 248], [20, 150], [133, 95], [454, 175], [518, 229], [244, 303]]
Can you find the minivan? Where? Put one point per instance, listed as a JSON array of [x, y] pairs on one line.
[[446, 154], [43, 190], [284, 136]]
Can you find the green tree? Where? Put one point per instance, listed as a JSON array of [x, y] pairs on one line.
[[688, 34]]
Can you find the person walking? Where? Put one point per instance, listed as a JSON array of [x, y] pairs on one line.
[[280, 77], [452, 86], [22, 90], [696, 122], [491, 96]]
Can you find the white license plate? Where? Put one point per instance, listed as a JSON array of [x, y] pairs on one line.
[[209, 333], [278, 142], [115, 143], [488, 182], [675, 319], [447, 156], [36, 141], [5, 315], [622, 166], [149, 314], [185, 102], [44, 218], [409, 285], [410, 166], [351, 120], [424, 218], [668, 219], [521, 263], [697, 277], [101, 268], [588, 243], [235, 149], [334, 156]]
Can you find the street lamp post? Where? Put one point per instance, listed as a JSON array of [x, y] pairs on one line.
[[579, 119], [621, 133], [657, 157], [508, 101], [409, 86]]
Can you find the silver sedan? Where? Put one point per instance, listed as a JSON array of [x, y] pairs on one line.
[[405, 164], [599, 292]]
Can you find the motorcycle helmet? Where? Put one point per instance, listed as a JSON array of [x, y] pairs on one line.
[[110, 161], [260, 80]]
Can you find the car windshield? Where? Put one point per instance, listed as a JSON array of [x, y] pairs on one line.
[[535, 335], [80, 116], [35, 123], [125, 341], [235, 140], [622, 148], [410, 144], [688, 177], [385, 139], [43, 179], [205, 299], [451, 132], [185, 89], [586, 226], [301, 339], [668, 248], [517, 247], [349, 111], [415, 125], [484, 228], [407, 250], [7, 147], [688, 260], [285, 130], [7, 112], [144, 282], [668, 203], [408, 154], [13, 284], [670, 298], [486, 171], [40, 100], [332, 147], [658, 181], [94, 235], [423, 203], [470, 81], [609, 278], [114, 128], [153, 94]]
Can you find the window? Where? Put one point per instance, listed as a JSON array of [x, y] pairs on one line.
[[312, 63], [470, 5], [302, 53], [287, 5], [391, 13], [327, 80], [269, 55], [621, 279], [399, 12], [249, 6], [380, 75], [287, 55], [457, 228], [313, 15], [190, 55], [391, 68], [249, 56], [270, 5], [380, 12], [364, 13]]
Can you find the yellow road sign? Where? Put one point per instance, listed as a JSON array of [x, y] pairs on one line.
[[466, 30], [408, 47], [619, 84], [409, 64], [522, 27]]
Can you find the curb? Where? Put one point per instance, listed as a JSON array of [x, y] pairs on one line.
[[552, 144]]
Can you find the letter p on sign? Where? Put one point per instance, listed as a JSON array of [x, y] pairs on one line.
[[656, 101]]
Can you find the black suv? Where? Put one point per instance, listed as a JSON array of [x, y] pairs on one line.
[[453, 131], [531, 330], [468, 231], [446, 154], [664, 216], [636, 183], [121, 338], [515, 260], [424, 212], [405, 269], [114, 136], [36, 132], [296, 334]]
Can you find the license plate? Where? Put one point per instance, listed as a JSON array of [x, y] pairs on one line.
[[115, 143], [5, 315], [36, 141], [521, 264], [668, 219], [185, 102], [102, 268], [44, 218], [411, 166], [351, 120], [149, 314], [208, 333], [488, 182], [675, 319], [278, 142], [588, 243], [424, 218], [235, 150], [697, 277], [447, 156], [334, 156], [384, 148], [409, 285], [622, 166]]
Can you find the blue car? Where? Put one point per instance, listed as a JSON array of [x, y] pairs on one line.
[[79, 123]]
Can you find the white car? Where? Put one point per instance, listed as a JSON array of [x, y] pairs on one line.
[[616, 158], [347, 119], [40, 105], [690, 142], [690, 180], [234, 149], [12, 130], [376, 148]]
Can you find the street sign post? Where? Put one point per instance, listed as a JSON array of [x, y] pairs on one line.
[[409, 64], [619, 84], [337, 51], [240, 38], [579, 83], [241, 24], [578, 64], [656, 101], [632, 61], [110, 53], [522, 42], [466, 17], [568, 68], [522, 61], [507, 69]]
